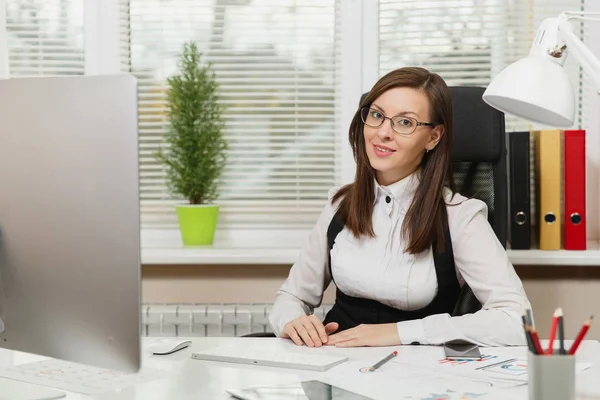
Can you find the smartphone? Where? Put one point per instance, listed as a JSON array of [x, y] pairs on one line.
[[461, 349], [308, 390]]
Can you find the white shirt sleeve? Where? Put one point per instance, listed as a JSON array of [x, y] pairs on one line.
[[484, 265], [308, 279]]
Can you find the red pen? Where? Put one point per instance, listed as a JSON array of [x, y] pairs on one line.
[[580, 336], [557, 313]]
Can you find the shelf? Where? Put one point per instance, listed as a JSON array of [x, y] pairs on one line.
[[584, 258], [164, 247]]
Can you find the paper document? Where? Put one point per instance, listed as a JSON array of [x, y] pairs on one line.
[[418, 381], [425, 374], [517, 369]]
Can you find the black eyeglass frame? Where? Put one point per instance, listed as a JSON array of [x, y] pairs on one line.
[[418, 123]]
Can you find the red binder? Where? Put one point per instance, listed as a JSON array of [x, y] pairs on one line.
[[575, 235]]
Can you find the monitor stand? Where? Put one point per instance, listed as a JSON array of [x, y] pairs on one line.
[[11, 389]]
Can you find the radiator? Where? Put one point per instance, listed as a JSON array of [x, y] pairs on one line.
[[227, 320]]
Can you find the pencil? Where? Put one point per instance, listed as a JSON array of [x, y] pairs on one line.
[[528, 335], [561, 335], [386, 359], [557, 313], [536, 340], [581, 334], [530, 315]]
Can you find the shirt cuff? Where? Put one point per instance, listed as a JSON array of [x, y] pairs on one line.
[[411, 332]]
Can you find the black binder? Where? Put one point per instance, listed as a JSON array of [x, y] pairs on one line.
[[520, 218]]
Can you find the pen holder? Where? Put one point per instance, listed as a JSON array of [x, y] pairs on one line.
[[551, 377]]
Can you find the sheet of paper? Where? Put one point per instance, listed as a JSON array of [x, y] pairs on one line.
[[410, 381], [428, 387], [517, 370], [508, 365]]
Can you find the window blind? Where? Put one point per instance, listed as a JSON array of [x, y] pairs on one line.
[[468, 42], [44, 37], [275, 61]]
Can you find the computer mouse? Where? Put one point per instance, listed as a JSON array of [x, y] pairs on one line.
[[168, 345]]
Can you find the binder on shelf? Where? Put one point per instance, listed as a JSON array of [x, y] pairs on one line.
[[574, 194], [548, 160], [520, 199]]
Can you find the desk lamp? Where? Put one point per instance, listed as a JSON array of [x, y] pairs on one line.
[[537, 87]]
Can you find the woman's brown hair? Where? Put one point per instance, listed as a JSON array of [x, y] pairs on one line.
[[426, 217]]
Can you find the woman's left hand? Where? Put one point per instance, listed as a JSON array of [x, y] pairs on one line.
[[366, 335]]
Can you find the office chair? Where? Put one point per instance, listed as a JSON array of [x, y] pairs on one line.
[[479, 169], [479, 166]]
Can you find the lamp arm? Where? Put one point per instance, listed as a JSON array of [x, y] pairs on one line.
[[578, 14], [587, 59]]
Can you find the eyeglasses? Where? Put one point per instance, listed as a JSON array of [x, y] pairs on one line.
[[400, 124]]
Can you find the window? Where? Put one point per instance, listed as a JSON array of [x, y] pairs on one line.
[[290, 72], [275, 62], [44, 37], [467, 41]]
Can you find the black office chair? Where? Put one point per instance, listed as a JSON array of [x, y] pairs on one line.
[[479, 166], [479, 169]]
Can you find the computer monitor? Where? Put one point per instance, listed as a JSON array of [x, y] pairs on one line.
[[69, 219]]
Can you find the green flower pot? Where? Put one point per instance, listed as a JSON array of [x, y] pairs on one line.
[[197, 223]]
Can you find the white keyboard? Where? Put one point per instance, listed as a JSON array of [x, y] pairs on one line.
[[269, 358], [78, 378]]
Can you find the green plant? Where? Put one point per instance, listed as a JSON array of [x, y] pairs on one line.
[[195, 152]]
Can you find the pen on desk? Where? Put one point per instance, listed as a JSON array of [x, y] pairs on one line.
[[561, 335], [496, 364], [557, 313], [580, 336], [386, 359]]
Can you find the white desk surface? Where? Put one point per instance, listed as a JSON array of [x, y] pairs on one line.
[[195, 379]]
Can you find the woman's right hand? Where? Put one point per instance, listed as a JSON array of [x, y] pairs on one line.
[[308, 329]]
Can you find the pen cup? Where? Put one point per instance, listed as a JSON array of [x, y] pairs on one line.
[[551, 377]]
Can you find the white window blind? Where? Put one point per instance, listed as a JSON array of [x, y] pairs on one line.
[[468, 42], [275, 61], [44, 37]]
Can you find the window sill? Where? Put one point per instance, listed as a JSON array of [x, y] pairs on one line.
[[243, 247], [281, 247]]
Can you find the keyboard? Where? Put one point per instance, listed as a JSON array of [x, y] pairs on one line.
[[77, 378], [270, 357]]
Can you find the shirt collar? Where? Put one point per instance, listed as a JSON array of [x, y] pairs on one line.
[[401, 191]]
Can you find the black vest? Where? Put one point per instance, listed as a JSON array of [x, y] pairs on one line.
[[350, 311]]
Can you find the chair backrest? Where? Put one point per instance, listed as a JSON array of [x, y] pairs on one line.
[[479, 154], [479, 165]]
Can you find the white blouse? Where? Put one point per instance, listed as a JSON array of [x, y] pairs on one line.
[[378, 268]]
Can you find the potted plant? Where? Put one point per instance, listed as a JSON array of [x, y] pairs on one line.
[[195, 152]]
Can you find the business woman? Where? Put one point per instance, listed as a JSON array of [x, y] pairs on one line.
[[395, 223]]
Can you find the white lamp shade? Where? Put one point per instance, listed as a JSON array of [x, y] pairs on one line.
[[536, 89]]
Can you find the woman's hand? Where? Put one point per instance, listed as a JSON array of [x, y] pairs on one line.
[[367, 335], [308, 329]]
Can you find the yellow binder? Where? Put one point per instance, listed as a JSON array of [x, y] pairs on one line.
[[548, 160]]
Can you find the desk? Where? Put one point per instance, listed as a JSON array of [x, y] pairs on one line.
[[195, 379]]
